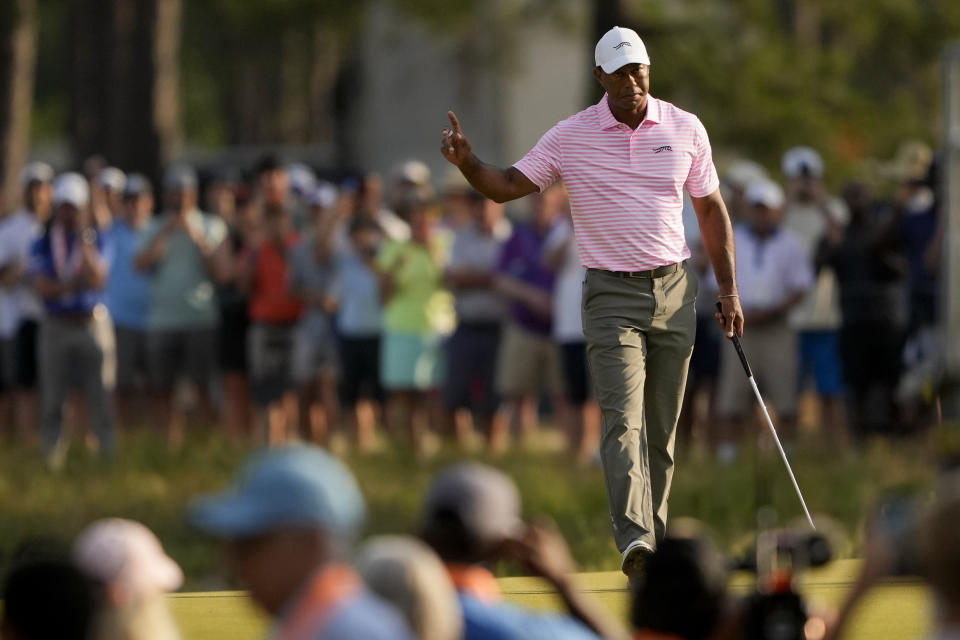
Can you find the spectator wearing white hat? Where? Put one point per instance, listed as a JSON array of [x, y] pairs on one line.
[[127, 559], [128, 295], [106, 196], [773, 274], [812, 213], [302, 183], [20, 307], [184, 253], [69, 273]]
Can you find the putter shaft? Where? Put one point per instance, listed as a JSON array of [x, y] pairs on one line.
[[766, 414]]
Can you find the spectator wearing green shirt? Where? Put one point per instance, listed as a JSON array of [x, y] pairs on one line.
[[184, 253], [418, 313]]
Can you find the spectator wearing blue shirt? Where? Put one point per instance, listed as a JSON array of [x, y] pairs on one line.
[[471, 518], [128, 293], [288, 523], [358, 321], [69, 273]]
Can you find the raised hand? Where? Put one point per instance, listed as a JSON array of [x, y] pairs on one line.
[[454, 146]]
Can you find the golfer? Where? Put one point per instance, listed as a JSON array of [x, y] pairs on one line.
[[626, 161]]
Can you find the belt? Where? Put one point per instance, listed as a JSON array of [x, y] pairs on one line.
[[659, 272]]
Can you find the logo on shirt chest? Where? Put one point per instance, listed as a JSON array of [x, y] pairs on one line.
[[663, 148]]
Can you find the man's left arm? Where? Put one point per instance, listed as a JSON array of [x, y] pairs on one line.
[[717, 235]]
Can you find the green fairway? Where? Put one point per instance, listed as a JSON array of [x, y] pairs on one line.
[[894, 610], [149, 484]]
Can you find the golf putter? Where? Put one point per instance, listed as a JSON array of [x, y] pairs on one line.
[[766, 414]]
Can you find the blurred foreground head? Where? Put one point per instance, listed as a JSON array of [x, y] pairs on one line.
[[407, 574], [48, 598], [127, 559], [940, 544], [290, 511], [470, 510], [683, 591]]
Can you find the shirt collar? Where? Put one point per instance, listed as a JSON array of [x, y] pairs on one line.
[[607, 121], [474, 581], [323, 592]]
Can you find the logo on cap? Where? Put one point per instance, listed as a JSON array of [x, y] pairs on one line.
[[622, 44]]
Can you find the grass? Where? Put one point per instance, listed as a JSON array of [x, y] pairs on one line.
[[147, 483]]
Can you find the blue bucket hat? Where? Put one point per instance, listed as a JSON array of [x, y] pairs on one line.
[[283, 487]]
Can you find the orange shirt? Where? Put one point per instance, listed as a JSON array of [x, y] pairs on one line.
[[328, 589], [475, 581], [271, 300]]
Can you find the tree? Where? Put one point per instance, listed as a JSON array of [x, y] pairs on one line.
[[18, 51], [126, 86]]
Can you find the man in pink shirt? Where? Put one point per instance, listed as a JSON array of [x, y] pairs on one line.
[[626, 162]]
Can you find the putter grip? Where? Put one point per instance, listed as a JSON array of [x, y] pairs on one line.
[[736, 343]]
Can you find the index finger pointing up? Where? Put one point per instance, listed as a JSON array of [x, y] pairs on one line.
[[454, 122]]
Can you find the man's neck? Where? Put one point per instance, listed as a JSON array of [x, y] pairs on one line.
[[631, 118]]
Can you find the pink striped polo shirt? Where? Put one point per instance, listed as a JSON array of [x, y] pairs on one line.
[[626, 186]]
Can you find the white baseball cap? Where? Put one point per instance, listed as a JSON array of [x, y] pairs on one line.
[[802, 160], [323, 195], [112, 179], [302, 178], [128, 558], [71, 188], [765, 192], [741, 173], [618, 47], [35, 172]]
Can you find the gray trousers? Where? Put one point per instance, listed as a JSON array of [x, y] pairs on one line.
[[639, 335], [69, 356]]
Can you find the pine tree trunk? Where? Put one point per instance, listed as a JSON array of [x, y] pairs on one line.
[[18, 54]]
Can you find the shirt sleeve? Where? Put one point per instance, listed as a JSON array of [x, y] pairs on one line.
[[702, 179], [145, 237], [457, 251], [506, 255], [799, 276], [541, 165], [40, 263], [216, 231]]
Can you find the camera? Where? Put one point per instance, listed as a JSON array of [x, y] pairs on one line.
[[776, 610]]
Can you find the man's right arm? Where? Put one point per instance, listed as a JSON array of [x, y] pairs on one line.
[[500, 185], [152, 249]]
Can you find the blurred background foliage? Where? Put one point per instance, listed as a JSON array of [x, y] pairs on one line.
[[851, 78]]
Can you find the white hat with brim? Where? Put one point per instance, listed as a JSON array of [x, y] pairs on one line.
[[766, 193], [800, 161], [35, 172], [323, 195], [128, 558], [619, 47], [112, 179], [71, 188]]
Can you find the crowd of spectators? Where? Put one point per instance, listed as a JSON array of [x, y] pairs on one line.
[[289, 525], [282, 306], [840, 299]]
